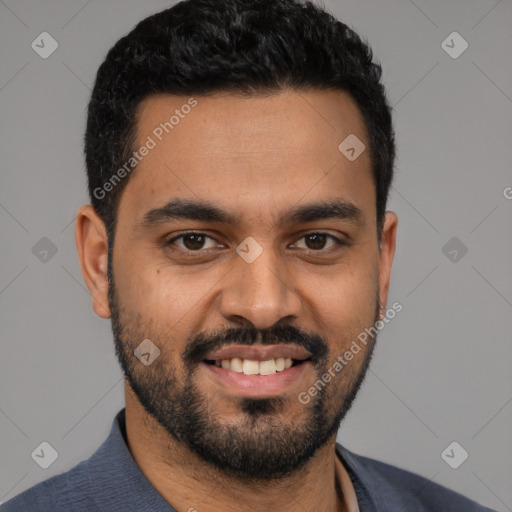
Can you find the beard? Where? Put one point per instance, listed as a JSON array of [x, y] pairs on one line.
[[264, 442]]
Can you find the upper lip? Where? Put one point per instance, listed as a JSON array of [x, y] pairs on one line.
[[259, 352]]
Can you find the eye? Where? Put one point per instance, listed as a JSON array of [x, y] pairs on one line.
[[196, 242], [320, 241], [193, 241]]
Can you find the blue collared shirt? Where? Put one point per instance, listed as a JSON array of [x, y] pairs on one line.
[[111, 481]]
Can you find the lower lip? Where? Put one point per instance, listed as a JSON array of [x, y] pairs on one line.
[[257, 385]]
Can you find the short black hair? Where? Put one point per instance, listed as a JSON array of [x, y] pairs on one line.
[[252, 47]]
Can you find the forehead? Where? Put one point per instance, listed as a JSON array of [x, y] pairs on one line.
[[249, 154]]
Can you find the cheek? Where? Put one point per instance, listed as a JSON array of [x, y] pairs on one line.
[[172, 297], [143, 280], [343, 304]]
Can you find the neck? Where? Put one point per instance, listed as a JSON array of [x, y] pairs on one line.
[[188, 483]]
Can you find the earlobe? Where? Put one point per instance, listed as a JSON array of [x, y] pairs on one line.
[[92, 247], [386, 255]]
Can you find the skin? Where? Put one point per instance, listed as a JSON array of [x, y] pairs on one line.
[[255, 157]]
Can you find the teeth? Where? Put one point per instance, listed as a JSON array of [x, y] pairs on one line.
[[253, 367], [237, 365], [267, 367]]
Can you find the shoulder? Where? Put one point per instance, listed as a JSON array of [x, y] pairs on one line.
[[108, 481], [79, 488], [64, 492], [388, 487]]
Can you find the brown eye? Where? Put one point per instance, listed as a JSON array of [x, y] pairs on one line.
[[316, 241], [193, 242], [319, 242]]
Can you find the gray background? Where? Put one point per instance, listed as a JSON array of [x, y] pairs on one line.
[[442, 371]]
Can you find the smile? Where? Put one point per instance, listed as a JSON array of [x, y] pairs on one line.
[[257, 370], [254, 367]]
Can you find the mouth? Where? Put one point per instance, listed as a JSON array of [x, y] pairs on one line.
[[258, 359], [258, 371], [256, 367]]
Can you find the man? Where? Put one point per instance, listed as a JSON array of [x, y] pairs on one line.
[[239, 156]]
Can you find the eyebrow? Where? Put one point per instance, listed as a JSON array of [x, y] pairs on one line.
[[187, 209]]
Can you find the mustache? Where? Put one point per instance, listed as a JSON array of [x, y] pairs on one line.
[[200, 345]]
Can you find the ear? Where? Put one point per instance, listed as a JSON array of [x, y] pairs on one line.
[[386, 255], [92, 246]]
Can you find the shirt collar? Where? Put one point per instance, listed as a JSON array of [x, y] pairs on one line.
[[118, 482], [121, 485], [347, 488]]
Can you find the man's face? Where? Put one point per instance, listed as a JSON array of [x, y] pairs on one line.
[[290, 285]]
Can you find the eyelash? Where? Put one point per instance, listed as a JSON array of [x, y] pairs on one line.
[[337, 241]]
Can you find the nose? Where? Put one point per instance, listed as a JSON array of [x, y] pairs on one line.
[[260, 293]]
